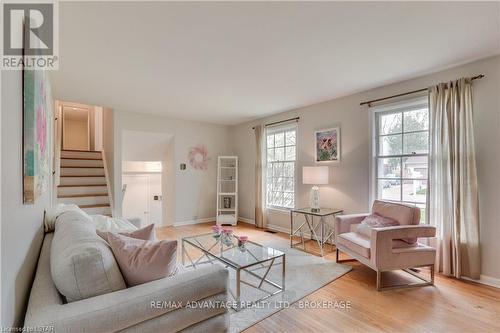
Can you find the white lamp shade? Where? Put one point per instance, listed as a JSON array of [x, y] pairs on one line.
[[317, 175]]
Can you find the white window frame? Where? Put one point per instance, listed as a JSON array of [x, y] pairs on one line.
[[278, 129], [375, 113]]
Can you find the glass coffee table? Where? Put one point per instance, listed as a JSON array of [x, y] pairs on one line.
[[252, 263]]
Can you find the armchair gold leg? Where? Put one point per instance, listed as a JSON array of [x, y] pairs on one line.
[[408, 285], [337, 251]]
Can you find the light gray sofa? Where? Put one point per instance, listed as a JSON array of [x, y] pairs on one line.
[[143, 308]]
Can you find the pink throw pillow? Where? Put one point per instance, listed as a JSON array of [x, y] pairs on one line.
[[143, 261], [146, 233], [374, 221]]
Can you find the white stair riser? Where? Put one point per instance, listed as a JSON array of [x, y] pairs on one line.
[[82, 190], [85, 200], [81, 163], [98, 210], [82, 171], [81, 154], [82, 180]]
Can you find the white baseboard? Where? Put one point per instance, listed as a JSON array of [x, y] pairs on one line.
[[197, 221], [278, 228], [486, 280], [245, 220]]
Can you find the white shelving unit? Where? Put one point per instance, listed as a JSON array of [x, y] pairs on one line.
[[227, 190]]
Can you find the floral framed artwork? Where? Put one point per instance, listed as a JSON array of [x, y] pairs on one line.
[[327, 145]]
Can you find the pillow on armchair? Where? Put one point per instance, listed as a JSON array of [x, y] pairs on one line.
[[374, 221]]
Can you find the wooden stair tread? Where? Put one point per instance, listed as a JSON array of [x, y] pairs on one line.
[[82, 151], [81, 167], [82, 175], [82, 185], [94, 206], [82, 158], [82, 195]]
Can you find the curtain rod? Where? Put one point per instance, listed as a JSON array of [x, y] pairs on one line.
[[480, 76], [279, 122]]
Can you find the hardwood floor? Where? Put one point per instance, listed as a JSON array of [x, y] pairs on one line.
[[450, 306]]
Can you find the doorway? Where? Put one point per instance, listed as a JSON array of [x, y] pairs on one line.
[[142, 192], [76, 128]]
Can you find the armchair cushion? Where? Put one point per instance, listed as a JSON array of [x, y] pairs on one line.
[[356, 243]]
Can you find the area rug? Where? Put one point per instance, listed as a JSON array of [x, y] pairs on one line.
[[305, 273]]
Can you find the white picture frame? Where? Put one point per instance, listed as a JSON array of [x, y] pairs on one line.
[[327, 145]]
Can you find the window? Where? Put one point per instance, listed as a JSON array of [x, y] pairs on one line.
[[402, 154], [280, 165]]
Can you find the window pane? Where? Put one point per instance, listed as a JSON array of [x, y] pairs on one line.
[[423, 213], [415, 167], [389, 167], [277, 169], [279, 139], [290, 138], [390, 123], [270, 141], [415, 190], [290, 153], [389, 190], [390, 145], [279, 154], [288, 200], [416, 143], [288, 169], [270, 155], [288, 185], [416, 120], [278, 199]]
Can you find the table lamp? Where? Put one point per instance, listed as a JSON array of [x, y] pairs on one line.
[[316, 175]]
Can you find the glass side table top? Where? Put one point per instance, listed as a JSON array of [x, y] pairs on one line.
[[232, 255], [321, 212]]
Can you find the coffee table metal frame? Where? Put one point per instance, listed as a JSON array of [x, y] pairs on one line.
[[326, 231], [267, 264]]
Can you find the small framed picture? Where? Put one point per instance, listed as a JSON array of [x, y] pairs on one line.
[[327, 145]]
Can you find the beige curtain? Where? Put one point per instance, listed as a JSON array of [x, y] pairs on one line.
[[260, 194], [453, 199]]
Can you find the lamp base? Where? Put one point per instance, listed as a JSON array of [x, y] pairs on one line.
[[314, 199]]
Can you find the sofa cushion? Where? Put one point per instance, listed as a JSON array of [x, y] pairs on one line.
[[143, 261], [146, 233], [82, 264], [405, 214], [355, 242]]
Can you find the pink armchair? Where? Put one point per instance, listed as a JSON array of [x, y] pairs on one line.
[[388, 248]]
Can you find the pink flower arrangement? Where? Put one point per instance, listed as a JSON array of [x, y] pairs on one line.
[[243, 239], [227, 231], [217, 229]]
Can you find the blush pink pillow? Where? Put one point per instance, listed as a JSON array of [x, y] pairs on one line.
[[374, 221], [146, 233], [142, 261]]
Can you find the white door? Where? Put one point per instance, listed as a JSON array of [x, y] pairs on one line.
[[135, 201]]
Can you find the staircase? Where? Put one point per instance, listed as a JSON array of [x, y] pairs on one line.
[[83, 181]]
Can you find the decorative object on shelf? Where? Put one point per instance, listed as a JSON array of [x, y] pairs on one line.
[[227, 236], [241, 243], [198, 157], [227, 190], [37, 120], [183, 166], [327, 143], [317, 175]]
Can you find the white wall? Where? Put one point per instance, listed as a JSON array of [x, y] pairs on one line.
[[108, 150], [195, 190], [350, 184], [21, 225]]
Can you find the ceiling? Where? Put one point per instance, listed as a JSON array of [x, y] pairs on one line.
[[231, 62]]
